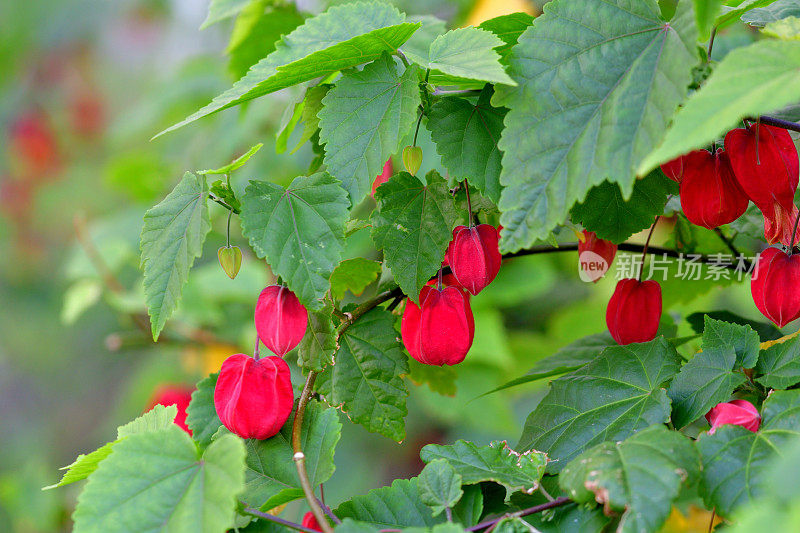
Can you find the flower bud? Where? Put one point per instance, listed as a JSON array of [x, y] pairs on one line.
[[177, 395], [710, 194], [254, 398], [474, 256], [594, 255], [440, 330], [310, 521], [776, 286], [634, 311], [281, 319], [383, 177], [230, 259], [674, 169], [412, 159], [736, 412]]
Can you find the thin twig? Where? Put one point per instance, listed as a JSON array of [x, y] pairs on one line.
[[558, 502], [277, 520], [778, 122]]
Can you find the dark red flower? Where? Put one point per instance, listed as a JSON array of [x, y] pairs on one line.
[[281, 319], [710, 194], [634, 311], [177, 395], [474, 256], [779, 224], [383, 177], [674, 169], [776, 286], [310, 521], [736, 412], [254, 398], [595, 255], [440, 330]]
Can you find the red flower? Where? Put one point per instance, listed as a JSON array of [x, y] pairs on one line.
[[177, 395], [674, 169], [710, 194], [310, 521], [440, 330], [736, 412], [254, 398], [634, 311], [591, 265], [776, 286], [281, 319], [474, 256], [779, 224], [383, 177]]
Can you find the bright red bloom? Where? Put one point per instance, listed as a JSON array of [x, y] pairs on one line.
[[281, 319], [674, 169], [310, 521], [736, 412], [254, 398], [775, 286], [474, 256], [383, 177], [177, 395], [440, 330], [779, 224], [634, 311], [710, 194], [591, 266]]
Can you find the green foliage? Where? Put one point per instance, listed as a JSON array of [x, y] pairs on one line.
[[299, 230], [158, 480], [201, 415], [363, 120], [735, 460], [395, 506], [749, 81], [353, 275], [322, 45], [222, 9], [607, 213], [705, 12], [439, 486], [508, 28], [639, 477], [772, 12], [466, 53], [312, 105], [617, 394], [589, 111], [316, 349], [495, 462], [413, 225], [466, 136], [711, 376], [172, 237], [779, 365], [440, 379], [366, 381], [733, 12], [236, 163], [417, 46], [788, 28], [271, 475]]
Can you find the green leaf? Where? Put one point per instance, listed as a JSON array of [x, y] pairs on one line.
[[299, 230], [83, 466], [466, 136], [393, 507], [316, 350], [343, 37], [413, 225], [775, 11], [271, 475], [611, 217], [439, 486], [353, 275], [440, 379], [363, 120], [617, 394], [749, 81], [508, 28], [78, 298], [788, 28], [366, 380], [766, 330], [779, 365], [468, 53], [222, 9], [587, 110], [705, 12], [236, 163], [712, 375], [495, 462], [417, 47], [729, 15], [159, 482], [571, 519], [312, 105], [172, 237], [571, 357], [201, 415], [639, 477], [158, 418], [735, 460], [349, 525]]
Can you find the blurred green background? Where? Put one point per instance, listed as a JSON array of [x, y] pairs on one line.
[[84, 85]]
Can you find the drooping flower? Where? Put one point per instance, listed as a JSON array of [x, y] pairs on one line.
[[474, 256], [634, 311], [736, 412], [281, 320]]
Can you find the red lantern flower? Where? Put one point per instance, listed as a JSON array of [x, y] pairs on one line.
[[710, 194], [383, 177], [474, 256], [776, 286], [779, 224], [440, 330], [310, 521], [254, 398], [674, 169], [634, 311], [594, 256], [736, 412], [177, 395], [281, 319]]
